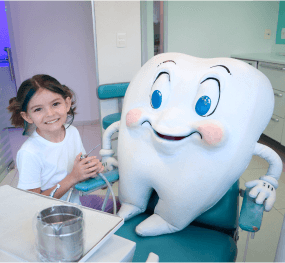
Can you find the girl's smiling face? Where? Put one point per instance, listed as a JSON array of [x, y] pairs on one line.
[[48, 111]]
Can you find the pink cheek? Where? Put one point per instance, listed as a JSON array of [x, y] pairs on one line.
[[133, 116], [211, 133]]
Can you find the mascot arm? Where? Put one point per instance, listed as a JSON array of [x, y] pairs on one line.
[[106, 152], [265, 187]]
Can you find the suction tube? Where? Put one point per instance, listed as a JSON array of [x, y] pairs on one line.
[[113, 195]]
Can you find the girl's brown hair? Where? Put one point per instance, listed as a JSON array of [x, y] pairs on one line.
[[37, 82]]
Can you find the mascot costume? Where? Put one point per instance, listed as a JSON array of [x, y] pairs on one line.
[[188, 130]]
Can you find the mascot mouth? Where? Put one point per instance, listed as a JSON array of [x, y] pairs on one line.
[[171, 138], [167, 137]]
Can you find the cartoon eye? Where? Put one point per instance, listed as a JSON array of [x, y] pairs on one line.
[[207, 97], [203, 105], [160, 89], [156, 99]]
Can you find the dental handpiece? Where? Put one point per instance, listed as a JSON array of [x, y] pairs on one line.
[[86, 155]]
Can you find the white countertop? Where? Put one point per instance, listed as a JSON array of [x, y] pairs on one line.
[[18, 211], [116, 249], [265, 57]]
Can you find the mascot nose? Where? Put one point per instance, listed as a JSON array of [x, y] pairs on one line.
[[173, 118]]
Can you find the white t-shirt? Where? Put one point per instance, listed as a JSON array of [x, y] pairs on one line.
[[43, 164]]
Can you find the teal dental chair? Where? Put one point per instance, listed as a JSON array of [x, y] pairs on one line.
[[211, 237]]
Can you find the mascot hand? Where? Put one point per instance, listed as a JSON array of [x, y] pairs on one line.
[[264, 190], [109, 163]]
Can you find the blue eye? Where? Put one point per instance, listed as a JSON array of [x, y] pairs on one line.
[[203, 105], [156, 99]]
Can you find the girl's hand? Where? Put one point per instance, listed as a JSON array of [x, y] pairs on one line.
[[100, 168], [85, 168]]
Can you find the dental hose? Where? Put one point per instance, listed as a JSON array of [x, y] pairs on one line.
[[69, 194], [109, 186], [113, 195], [107, 145]]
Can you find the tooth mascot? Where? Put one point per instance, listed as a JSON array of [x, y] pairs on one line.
[[188, 130]]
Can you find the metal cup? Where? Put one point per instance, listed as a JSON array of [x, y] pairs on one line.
[[60, 234]]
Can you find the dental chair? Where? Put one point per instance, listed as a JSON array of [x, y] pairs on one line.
[[211, 237]]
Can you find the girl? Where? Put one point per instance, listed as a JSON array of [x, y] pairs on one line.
[[50, 158]]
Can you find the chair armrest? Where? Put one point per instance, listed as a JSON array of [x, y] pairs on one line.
[[251, 213], [97, 182]]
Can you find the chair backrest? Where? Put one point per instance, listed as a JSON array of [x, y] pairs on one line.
[[111, 98], [223, 216], [109, 91], [110, 104]]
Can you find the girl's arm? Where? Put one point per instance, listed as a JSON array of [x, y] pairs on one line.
[[82, 170], [65, 185]]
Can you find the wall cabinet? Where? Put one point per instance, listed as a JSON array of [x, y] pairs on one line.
[[275, 72], [250, 62]]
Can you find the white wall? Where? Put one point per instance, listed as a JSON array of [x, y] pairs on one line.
[[56, 38], [218, 29], [112, 17]]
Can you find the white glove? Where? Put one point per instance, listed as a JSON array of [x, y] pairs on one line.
[[109, 163], [264, 190]]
